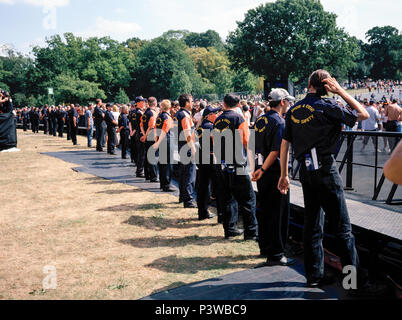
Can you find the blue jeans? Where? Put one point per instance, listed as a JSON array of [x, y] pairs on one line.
[[323, 189], [90, 134], [187, 182]]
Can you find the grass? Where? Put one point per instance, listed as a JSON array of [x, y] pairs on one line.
[[107, 240]]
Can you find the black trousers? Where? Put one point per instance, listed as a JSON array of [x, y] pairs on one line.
[[124, 142], [60, 128], [24, 124], [55, 125], [133, 149], [73, 132], [45, 125], [323, 189], [238, 188], [50, 121], [165, 164], [111, 140], [210, 173], [272, 216], [150, 170], [68, 130], [139, 154], [100, 132]]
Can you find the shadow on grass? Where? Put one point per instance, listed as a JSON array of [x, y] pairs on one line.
[[120, 191], [160, 242], [192, 265], [137, 207], [158, 222]]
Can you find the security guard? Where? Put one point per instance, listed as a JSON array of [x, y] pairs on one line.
[[36, 120], [140, 147], [185, 136], [313, 126], [237, 182], [132, 118], [124, 130], [25, 118], [53, 114], [61, 120], [68, 122], [147, 127], [44, 117], [208, 169], [164, 143], [99, 117], [273, 213], [50, 120], [73, 120], [111, 129]]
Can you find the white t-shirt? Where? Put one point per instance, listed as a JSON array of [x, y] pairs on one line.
[[371, 123]]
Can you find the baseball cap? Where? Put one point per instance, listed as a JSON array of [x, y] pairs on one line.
[[208, 110], [280, 94], [139, 99]]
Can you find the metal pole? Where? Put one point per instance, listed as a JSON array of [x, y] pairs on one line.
[[349, 165], [376, 165]]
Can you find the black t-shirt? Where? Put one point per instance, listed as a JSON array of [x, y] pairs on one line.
[[98, 115], [109, 118], [124, 122], [315, 122], [234, 123], [204, 131], [269, 130]]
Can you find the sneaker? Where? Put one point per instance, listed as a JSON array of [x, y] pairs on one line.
[[284, 261], [190, 205], [232, 234], [207, 215]]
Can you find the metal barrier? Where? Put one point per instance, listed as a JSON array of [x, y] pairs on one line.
[[350, 138]]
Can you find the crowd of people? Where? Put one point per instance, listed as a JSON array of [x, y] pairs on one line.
[[312, 126]]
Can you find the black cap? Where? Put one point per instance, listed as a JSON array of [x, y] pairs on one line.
[[208, 110], [139, 99]]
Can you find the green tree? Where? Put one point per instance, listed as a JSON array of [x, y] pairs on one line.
[[244, 81], [290, 39], [122, 97], [70, 89], [160, 61], [206, 39], [384, 51]]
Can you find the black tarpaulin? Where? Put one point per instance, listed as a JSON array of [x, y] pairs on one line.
[[8, 131]]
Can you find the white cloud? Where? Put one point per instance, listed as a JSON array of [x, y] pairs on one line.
[[119, 30]]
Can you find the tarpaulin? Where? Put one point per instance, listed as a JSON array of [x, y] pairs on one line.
[[8, 131]]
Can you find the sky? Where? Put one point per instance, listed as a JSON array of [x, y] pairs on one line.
[[26, 23]]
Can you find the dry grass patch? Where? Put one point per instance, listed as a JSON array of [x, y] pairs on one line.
[[107, 240]]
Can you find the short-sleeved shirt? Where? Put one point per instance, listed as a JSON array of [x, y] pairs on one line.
[[205, 130], [147, 120], [88, 115], [269, 130], [73, 113], [372, 122], [233, 121], [164, 122], [98, 115], [137, 121], [109, 118], [184, 122], [315, 122], [124, 122], [45, 113]]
